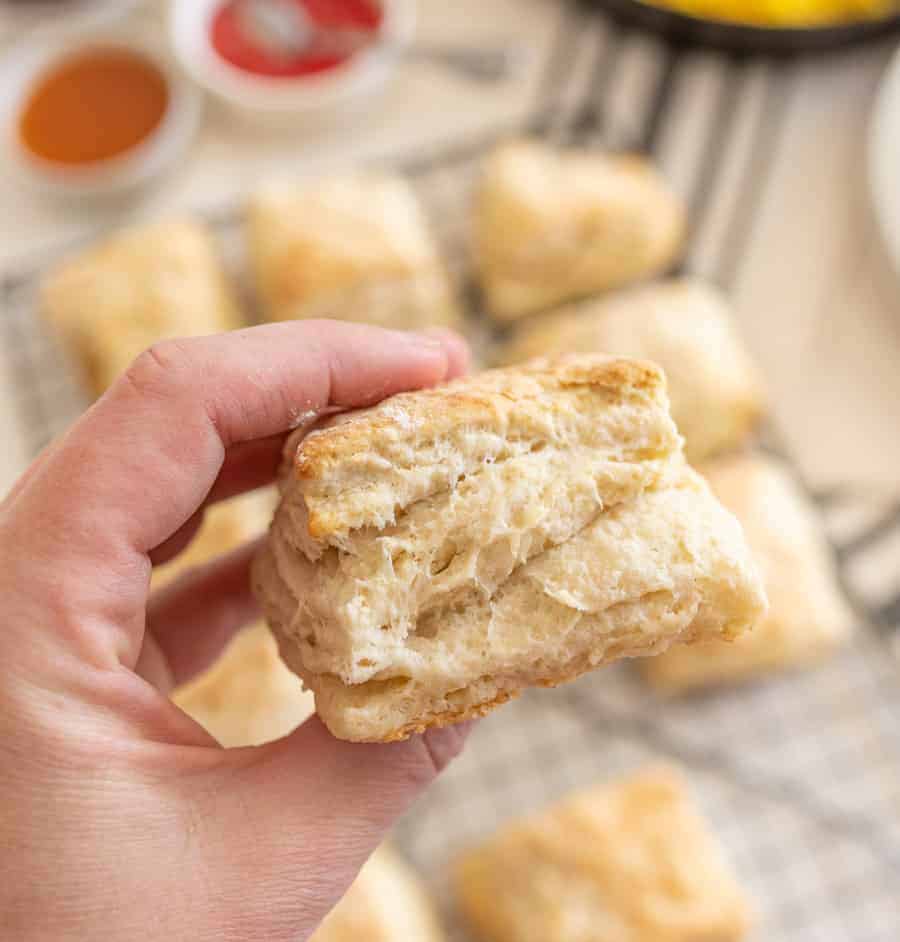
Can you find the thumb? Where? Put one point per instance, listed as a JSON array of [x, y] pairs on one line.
[[296, 819]]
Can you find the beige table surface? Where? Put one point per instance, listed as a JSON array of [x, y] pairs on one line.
[[816, 298]]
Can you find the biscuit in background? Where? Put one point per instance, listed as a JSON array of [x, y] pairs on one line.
[[808, 617], [352, 248], [630, 861], [386, 903], [248, 697], [683, 325], [226, 525], [435, 554], [553, 225], [137, 287]]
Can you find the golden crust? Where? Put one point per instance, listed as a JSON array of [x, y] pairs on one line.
[[351, 248], [551, 226], [481, 398], [138, 287], [629, 861], [447, 718], [346, 471]]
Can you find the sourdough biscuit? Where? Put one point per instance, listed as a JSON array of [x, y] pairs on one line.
[[436, 553], [626, 862], [352, 248], [138, 287], [551, 226], [808, 617], [683, 325]]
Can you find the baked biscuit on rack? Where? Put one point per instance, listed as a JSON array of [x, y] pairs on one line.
[[386, 903], [808, 616], [226, 526], [434, 554], [139, 286], [551, 226], [685, 326], [630, 861], [352, 248], [248, 697]]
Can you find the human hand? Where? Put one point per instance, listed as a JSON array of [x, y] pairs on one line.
[[120, 818]]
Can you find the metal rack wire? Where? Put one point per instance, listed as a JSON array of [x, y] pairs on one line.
[[800, 775]]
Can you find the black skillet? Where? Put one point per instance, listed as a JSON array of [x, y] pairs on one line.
[[746, 38]]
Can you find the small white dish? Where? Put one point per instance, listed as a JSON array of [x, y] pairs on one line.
[[281, 100], [118, 175], [884, 159]]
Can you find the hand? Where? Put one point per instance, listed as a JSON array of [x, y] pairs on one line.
[[120, 818]]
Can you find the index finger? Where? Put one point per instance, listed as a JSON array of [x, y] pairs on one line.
[[145, 456]]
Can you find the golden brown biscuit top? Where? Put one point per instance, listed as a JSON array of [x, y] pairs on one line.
[[629, 860], [160, 276], [485, 397], [362, 467]]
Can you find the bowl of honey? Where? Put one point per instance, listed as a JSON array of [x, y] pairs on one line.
[[95, 115]]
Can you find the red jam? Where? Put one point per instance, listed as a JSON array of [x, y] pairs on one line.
[[336, 30]]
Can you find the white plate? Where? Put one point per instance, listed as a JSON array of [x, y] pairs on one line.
[[884, 159]]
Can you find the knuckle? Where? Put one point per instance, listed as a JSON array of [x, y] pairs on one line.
[[158, 370]]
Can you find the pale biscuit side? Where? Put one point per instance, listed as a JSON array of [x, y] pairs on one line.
[[668, 566]]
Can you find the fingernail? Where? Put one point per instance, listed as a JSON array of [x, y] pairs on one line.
[[446, 743], [418, 340], [447, 338], [455, 346]]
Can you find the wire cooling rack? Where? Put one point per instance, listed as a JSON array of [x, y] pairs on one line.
[[800, 775]]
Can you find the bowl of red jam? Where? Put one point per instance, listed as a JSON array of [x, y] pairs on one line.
[[286, 59]]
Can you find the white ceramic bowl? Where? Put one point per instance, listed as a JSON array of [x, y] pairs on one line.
[[120, 174], [279, 100]]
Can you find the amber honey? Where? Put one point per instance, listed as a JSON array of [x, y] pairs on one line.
[[93, 105]]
